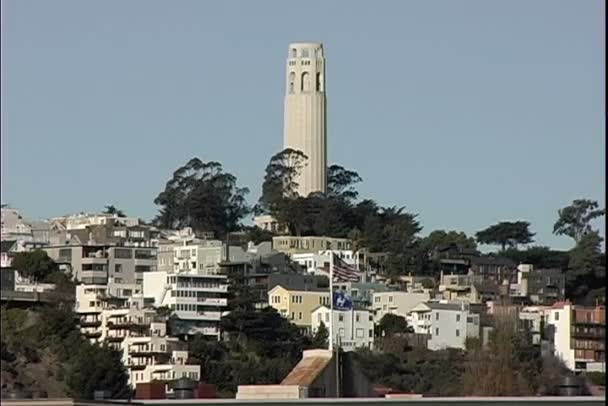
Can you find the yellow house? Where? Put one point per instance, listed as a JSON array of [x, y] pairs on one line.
[[297, 305]]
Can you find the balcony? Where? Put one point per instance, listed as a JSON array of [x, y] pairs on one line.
[[91, 334], [94, 261], [212, 301], [89, 323]]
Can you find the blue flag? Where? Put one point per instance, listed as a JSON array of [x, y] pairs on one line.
[[342, 301]]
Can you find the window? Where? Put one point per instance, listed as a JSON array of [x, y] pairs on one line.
[[360, 333], [319, 317], [436, 331], [118, 280], [457, 318], [436, 316], [293, 315], [556, 316], [118, 268], [305, 85], [294, 53], [371, 333], [390, 299], [341, 332], [358, 318], [305, 53], [122, 253], [292, 79], [300, 316], [457, 333], [341, 318]]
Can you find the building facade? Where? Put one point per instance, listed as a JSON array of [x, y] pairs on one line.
[[396, 302], [198, 300], [352, 329], [451, 324], [306, 245], [298, 305], [305, 127]]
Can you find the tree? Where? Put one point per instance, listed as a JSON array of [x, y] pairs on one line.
[[35, 265], [507, 367], [202, 196], [438, 239], [586, 274], [110, 209], [540, 257], [341, 183], [279, 191], [392, 324], [320, 338], [575, 220], [506, 234]]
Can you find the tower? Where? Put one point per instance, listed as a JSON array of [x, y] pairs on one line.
[[305, 113]]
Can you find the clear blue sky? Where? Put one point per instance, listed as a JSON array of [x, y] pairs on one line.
[[466, 112]]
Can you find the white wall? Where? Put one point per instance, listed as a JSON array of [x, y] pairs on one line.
[[352, 329]]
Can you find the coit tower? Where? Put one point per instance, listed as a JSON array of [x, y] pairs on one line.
[[305, 113]]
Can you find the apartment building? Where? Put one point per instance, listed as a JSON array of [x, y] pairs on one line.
[[198, 300], [106, 264], [352, 329], [397, 302], [298, 305], [532, 318], [157, 357], [577, 335], [451, 324], [419, 319], [299, 245], [539, 286]]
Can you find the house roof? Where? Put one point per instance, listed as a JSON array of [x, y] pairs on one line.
[[487, 287], [6, 245], [446, 306], [310, 289], [312, 365]]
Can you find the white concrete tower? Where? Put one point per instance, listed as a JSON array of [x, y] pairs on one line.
[[305, 113]]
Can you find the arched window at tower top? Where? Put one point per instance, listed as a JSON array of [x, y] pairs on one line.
[[305, 86], [294, 52], [305, 53]]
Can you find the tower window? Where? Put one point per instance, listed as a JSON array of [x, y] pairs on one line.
[[319, 82], [305, 53], [292, 79], [294, 53], [305, 86]]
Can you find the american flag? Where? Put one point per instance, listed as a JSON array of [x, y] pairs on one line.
[[344, 272]]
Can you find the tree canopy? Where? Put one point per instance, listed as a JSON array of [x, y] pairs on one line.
[[35, 265], [202, 196], [111, 209], [575, 220], [506, 233]]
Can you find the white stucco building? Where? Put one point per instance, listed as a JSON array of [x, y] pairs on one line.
[[305, 127], [397, 302], [198, 300], [352, 329], [157, 357]]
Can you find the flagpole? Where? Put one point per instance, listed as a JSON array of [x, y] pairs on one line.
[[331, 301]]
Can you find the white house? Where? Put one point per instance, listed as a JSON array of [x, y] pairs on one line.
[[351, 328], [451, 324], [397, 302], [419, 318], [157, 357], [197, 300]]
